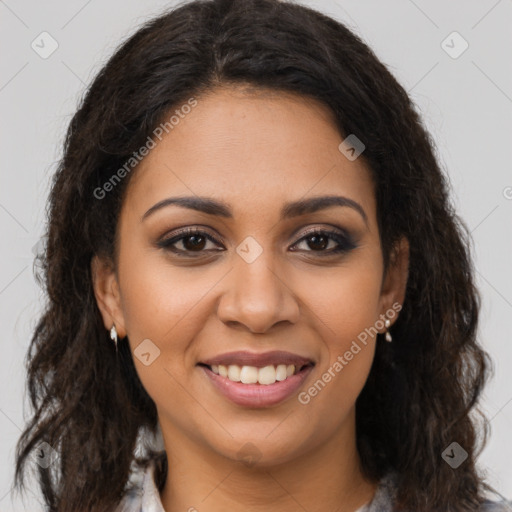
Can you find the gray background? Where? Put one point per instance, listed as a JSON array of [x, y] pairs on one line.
[[466, 103]]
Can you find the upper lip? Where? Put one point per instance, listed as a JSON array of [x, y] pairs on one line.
[[245, 358]]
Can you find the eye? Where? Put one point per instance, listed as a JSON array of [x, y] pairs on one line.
[[189, 240], [326, 242]]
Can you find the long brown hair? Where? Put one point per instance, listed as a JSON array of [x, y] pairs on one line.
[[422, 389]]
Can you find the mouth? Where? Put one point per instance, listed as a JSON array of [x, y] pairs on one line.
[[257, 380], [264, 376]]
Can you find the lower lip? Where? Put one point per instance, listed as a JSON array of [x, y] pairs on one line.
[[258, 395]]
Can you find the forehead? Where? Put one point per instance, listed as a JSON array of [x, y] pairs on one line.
[[252, 149]]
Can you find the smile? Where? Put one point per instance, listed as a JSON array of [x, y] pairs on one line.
[[252, 375], [270, 379]]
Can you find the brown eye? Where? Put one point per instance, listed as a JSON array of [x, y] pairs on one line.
[[194, 242], [188, 241], [319, 241]]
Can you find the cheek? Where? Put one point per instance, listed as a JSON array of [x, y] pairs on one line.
[[346, 307], [346, 301], [167, 307], [159, 301]]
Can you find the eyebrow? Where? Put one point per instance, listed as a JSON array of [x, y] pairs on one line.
[[289, 210]]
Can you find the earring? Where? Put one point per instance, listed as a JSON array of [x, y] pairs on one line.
[[387, 323], [113, 335]]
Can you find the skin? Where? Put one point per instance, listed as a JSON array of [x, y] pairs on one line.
[[255, 151]]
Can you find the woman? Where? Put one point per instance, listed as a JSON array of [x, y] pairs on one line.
[[252, 253]]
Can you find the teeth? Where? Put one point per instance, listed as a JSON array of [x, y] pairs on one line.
[[281, 372], [248, 375], [234, 373], [252, 375], [267, 375]]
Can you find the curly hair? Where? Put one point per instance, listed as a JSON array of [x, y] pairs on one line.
[[422, 390]]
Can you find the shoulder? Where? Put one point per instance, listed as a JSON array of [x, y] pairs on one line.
[[134, 490], [141, 493], [385, 495]]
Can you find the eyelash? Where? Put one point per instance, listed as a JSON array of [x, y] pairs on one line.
[[345, 242]]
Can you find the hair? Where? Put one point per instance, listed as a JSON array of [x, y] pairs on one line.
[[422, 390]]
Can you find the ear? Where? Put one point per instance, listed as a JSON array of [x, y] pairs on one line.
[[106, 291], [394, 282]]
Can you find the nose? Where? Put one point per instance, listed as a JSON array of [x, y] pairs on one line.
[[257, 297]]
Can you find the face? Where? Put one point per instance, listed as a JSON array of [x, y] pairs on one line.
[[251, 275]]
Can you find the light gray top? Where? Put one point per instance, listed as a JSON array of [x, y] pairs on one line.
[[146, 498]]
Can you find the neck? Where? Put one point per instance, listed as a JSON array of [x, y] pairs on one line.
[[327, 476]]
